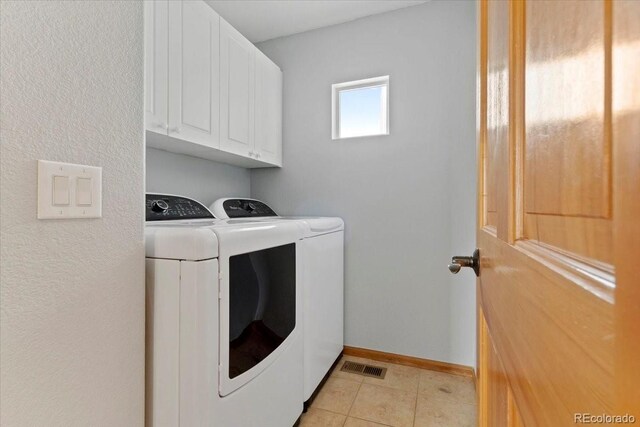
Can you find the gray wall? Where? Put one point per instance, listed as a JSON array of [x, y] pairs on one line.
[[408, 199], [200, 179], [72, 291]]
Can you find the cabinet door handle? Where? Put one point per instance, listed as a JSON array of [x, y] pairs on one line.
[[161, 126], [175, 130]]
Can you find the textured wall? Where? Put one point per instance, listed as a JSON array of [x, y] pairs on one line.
[[72, 291], [408, 199], [204, 180]]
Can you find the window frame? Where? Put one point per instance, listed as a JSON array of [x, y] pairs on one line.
[[336, 88]]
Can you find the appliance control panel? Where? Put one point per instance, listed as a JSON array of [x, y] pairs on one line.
[[246, 208], [163, 207]]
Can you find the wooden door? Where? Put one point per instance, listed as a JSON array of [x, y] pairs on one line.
[[237, 86], [268, 111], [559, 190], [156, 64], [194, 72]]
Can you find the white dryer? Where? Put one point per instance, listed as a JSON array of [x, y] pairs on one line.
[[224, 318], [322, 253]]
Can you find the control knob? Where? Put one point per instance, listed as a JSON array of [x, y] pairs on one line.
[[159, 206]]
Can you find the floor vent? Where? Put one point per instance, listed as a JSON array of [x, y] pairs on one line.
[[362, 369]]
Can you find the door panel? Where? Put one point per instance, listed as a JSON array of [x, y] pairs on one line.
[[323, 263], [156, 64], [162, 342], [237, 86], [567, 153], [552, 321], [194, 62], [268, 108], [493, 387], [626, 136], [532, 308], [239, 62], [497, 107]]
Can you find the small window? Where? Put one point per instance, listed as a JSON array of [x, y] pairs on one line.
[[360, 108]]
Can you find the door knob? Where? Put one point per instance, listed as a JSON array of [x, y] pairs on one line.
[[457, 262]]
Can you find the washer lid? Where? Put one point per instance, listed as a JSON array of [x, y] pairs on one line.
[[320, 224], [187, 241], [242, 236], [176, 228]]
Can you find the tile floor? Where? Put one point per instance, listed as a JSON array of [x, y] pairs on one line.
[[406, 397]]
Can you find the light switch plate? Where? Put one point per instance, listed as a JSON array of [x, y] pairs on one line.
[[90, 194]]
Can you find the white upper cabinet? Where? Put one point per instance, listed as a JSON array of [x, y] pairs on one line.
[[237, 91], [268, 111], [194, 67], [156, 63], [209, 92]]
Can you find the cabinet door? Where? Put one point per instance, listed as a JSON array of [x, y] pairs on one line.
[[194, 64], [268, 111], [156, 64], [237, 87]]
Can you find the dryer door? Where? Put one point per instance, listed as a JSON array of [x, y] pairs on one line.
[[258, 311]]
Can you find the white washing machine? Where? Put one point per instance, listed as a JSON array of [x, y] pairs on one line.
[[322, 252], [224, 318]]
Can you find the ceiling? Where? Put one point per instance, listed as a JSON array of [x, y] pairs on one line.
[[261, 20]]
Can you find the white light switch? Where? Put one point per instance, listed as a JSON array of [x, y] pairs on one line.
[[83, 192], [61, 190], [67, 190]]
